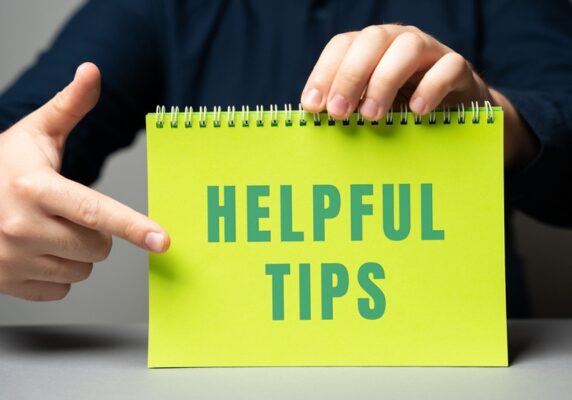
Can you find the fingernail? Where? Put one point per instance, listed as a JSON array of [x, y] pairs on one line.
[[338, 106], [418, 105], [154, 241], [312, 98], [370, 108]]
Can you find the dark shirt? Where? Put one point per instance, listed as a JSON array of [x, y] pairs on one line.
[[218, 52]]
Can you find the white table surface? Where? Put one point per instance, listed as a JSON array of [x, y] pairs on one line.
[[109, 362]]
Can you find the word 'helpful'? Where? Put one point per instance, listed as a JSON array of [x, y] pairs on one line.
[[326, 204]]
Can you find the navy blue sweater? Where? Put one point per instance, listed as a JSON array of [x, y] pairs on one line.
[[225, 52]]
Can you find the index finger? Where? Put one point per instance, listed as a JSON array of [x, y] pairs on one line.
[[89, 208]]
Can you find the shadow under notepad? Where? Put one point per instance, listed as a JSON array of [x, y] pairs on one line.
[[524, 338], [58, 339]]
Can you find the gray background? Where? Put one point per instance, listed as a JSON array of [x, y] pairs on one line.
[[117, 290]]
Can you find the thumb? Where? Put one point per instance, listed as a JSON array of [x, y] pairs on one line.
[[61, 114]]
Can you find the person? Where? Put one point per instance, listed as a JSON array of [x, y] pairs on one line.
[[340, 55]]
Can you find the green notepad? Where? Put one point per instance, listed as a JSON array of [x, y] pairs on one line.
[[300, 241]]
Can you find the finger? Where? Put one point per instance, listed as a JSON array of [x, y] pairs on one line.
[[317, 88], [53, 269], [61, 114], [318, 85], [407, 54], [355, 70], [451, 73], [61, 238], [36, 290], [93, 210], [76, 242]]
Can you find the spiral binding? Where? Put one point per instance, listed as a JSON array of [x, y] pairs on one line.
[[316, 118]]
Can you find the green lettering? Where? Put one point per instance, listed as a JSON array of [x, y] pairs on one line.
[[329, 290], [359, 209], [321, 212], [254, 212], [305, 292], [389, 212], [227, 212], [277, 272], [427, 230], [286, 230], [377, 309]]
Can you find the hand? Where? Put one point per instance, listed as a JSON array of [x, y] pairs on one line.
[[52, 229], [386, 64]]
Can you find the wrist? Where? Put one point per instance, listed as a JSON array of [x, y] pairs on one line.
[[520, 144]]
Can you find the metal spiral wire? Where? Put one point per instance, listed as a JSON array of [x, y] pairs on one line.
[[200, 117]]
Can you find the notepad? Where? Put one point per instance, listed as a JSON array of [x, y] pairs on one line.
[[298, 240]]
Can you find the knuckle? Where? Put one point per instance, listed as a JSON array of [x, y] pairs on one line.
[[51, 293], [457, 67], [457, 62], [89, 211], [36, 296], [442, 86], [341, 39], [62, 291], [350, 76], [24, 186], [32, 186], [58, 292], [322, 78], [413, 28], [377, 31], [51, 273], [383, 83], [101, 252], [81, 272], [413, 40], [87, 270], [15, 226], [130, 230], [66, 243], [61, 104]]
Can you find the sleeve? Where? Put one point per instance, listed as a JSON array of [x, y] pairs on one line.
[[527, 56], [120, 37]]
